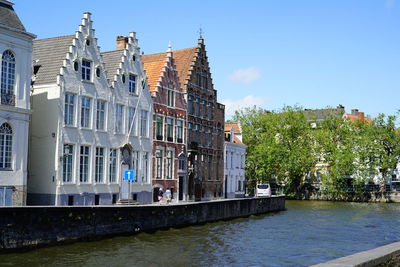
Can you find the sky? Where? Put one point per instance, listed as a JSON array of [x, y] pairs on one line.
[[270, 53]]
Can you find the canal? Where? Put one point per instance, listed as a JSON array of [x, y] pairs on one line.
[[308, 232]]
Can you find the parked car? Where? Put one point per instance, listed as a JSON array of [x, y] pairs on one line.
[[263, 190]]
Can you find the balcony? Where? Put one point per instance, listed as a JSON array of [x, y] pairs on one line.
[[7, 99]]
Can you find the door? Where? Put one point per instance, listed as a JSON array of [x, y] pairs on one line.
[[181, 186], [124, 183], [6, 196]]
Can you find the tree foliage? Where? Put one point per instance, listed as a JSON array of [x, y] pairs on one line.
[[285, 147]]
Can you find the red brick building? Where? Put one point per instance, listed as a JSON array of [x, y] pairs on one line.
[[169, 169], [205, 124]]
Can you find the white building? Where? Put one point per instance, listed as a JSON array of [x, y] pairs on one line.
[[15, 78], [81, 142], [235, 154]]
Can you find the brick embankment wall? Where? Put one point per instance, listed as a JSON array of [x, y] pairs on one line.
[[22, 227]]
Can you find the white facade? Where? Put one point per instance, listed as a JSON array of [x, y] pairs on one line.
[[80, 125], [234, 175], [15, 77]]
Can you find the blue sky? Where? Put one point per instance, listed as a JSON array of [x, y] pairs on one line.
[[270, 53]]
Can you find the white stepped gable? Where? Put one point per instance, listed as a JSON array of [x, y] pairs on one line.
[[85, 32]]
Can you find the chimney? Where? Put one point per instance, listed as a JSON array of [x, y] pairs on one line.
[[361, 116], [354, 111], [121, 42]]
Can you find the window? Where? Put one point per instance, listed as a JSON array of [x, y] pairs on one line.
[[190, 105], [159, 164], [231, 160], [159, 127], [76, 65], [132, 84], [170, 129], [204, 108], [181, 163], [209, 166], [170, 98], [5, 146], [198, 76], [196, 132], [99, 167], [86, 69], [7, 78], [113, 166], [226, 160], [179, 131], [196, 107], [84, 164], [123, 78], [85, 112], [190, 126], [145, 167], [170, 161], [209, 137], [98, 71], [131, 124], [69, 109], [118, 118], [204, 142], [135, 161], [239, 186], [67, 163], [205, 82], [100, 114], [143, 123], [217, 168], [210, 110]]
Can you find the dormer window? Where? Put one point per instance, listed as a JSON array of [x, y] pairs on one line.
[[132, 84], [86, 69]]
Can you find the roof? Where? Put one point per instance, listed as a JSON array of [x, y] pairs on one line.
[[49, 54], [323, 114], [235, 125], [8, 17], [236, 140], [153, 65], [112, 59], [357, 117], [183, 61]]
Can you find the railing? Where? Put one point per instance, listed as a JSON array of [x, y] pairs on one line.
[[7, 99]]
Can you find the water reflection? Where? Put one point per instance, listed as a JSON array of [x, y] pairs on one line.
[[308, 232]]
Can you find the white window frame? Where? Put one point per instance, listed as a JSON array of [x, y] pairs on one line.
[[100, 122], [68, 160], [84, 160], [132, 84], [68, 109], [85, 112], [119, 118], [86, 71], [99, 165]]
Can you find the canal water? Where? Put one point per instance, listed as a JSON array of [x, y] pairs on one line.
[[308, 232]]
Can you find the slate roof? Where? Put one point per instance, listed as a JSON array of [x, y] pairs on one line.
[[112, 59], [153, 65], [50, 54], [9, 18], [183, 61], [323, 114]]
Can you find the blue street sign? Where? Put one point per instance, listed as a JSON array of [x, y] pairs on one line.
[[129, 175]]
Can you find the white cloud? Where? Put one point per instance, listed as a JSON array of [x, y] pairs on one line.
[[248, 75], [248, 101], [390, 3]]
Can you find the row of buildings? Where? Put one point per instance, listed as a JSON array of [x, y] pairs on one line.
[[75, 122]]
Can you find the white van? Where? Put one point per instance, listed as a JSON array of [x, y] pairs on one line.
[[263, 190]]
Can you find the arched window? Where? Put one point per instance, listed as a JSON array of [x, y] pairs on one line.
[[7, 78], [5, 146]]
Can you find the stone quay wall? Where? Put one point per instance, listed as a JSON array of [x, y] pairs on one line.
[[383, 256], [33, 226]]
